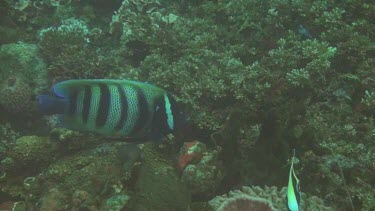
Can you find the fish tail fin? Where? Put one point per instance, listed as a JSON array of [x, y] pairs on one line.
[[49, 105]]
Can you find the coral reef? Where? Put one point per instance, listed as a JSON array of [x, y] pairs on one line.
[[246, 203], [258, 79], [116, 203], [7, 136], [158, 187], [17, 96], [23, 74], [300, 81], [81, 180], [28, 153], [190, 152], [23, 60], [276, 198], [72, 50], [203, 177]]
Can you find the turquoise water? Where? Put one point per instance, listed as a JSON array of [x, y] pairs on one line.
[[255, 80]]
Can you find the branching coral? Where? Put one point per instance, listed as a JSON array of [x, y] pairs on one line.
[[261, 76], [301, 72], [71, 53], [21, 5]]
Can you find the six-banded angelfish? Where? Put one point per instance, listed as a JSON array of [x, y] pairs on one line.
[[114, 108], [293, 195]]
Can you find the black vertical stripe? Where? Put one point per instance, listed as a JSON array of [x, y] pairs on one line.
[[86, 103], [160, 117], [104, 105], [124, 108], [73, 102], [143, 111]]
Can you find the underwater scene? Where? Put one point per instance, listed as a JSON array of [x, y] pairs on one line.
[[187, 105]]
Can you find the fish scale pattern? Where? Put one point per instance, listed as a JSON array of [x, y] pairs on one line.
[[95, 98], [133, 111], [114, 108]]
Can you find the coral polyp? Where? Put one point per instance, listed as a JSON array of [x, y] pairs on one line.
[[16, 95]]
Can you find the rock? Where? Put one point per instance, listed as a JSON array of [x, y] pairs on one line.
[[17, 95], [116, 203], [23, 60], [23, 75], [29, 153], [204, 177], [158, 186], [88, 180], [52, 200], [190, 152]]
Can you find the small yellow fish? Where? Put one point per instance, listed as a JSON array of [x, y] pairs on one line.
[[293, 195]]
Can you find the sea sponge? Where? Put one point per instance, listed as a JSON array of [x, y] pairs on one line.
[[16, 95]]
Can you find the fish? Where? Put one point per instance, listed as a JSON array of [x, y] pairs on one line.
[[114, 108], [293, 195]]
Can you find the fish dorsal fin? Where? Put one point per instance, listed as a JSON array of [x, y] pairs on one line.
[[63, 89]]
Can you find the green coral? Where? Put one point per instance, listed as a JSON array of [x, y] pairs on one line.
[[204, 177], [259, 78], [17, 96], [28, 153], [302, 88], [92, 175], [116, 203], [158, 186], [23, 60], [72, 50]]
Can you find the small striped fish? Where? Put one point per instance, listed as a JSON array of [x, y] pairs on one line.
[[293, 195], [112, 107]]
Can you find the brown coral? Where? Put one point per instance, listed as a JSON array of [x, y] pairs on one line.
[[16, 95], [272, 195], [246, 203]]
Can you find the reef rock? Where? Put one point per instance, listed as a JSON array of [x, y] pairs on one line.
[[23, 74], [24, 60], [92, 179], [158, 186], [28, 153], [203, 177]]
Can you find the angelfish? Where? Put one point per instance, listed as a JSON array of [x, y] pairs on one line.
[[293, 195], [116, 108]]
